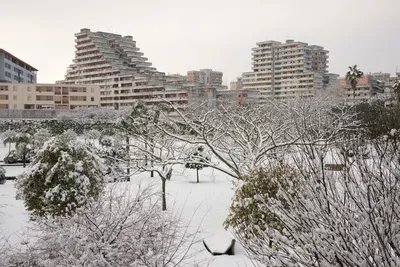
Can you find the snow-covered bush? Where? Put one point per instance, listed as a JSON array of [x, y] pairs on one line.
[[11, 157], [349, 218], [115, 156], [39, 138], [196, 160], [2, 175], [93, 134], [118, 229], [63, 177], [246, 216]]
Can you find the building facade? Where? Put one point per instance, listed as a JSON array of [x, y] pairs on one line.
[[282, 70], [124, 75], [27, 96], [367, 88], [331, 82], [236, 85], [207, 77], [14, 70]]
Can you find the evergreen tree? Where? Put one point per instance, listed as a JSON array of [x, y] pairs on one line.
[[63, 177]]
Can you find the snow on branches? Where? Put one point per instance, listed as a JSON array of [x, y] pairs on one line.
[[243, 137], [344, 218], [120, 228]]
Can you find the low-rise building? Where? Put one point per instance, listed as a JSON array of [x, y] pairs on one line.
[[15, 70], [367, 87], [27, 96], [205, 77]]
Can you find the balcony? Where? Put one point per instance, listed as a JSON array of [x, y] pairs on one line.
[[81, 40], [86, 44]]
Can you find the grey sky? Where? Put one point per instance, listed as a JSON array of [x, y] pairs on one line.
[[179, 35]]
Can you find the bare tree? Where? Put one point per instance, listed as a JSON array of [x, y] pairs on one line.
[[163, 152], [243, 138]]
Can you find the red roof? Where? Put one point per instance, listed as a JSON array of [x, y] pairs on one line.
[[20, 61]]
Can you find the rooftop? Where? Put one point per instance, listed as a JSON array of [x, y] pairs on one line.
[[2, 51]]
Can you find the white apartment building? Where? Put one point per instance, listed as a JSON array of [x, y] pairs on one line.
[[282, 70], [28, 96]]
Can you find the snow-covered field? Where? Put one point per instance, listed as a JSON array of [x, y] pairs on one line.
[[205, 205]]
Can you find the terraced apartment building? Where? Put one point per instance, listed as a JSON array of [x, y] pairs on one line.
[[123, 74]]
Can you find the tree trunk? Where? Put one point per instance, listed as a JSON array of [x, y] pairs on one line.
[[24, 157], [164, 199], [128, 170], [197, 172]]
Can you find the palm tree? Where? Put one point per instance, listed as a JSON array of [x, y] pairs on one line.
[[353, 75], [8, 138]]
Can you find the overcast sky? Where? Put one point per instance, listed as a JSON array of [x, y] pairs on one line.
[[180, 35]]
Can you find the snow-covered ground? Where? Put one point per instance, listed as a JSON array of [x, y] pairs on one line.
[[205, 205]]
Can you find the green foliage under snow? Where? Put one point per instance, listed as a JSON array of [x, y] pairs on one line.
[[63, 176], [245, 215]]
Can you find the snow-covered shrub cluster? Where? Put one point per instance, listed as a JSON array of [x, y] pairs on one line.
[[346, 218], [90, 115], [114, 154], [120, 228], [246, 215], [63, 177], [39, 138]]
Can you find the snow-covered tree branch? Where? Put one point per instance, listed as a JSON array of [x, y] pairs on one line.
[[121, 228]]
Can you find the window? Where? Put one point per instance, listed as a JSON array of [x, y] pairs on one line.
[[15, 106], [92, 99], [8, 66], [29, 97], [15, 97], [29, 89], [14, 88], [92, 90], [8, 74]]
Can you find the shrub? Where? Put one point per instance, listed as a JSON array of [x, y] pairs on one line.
[[63, 176], [11, 157], [245, 215]]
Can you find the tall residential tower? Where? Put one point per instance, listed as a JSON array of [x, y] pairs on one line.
[[282, 70]]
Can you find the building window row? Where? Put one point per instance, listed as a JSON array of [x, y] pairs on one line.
[[17, 70]]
